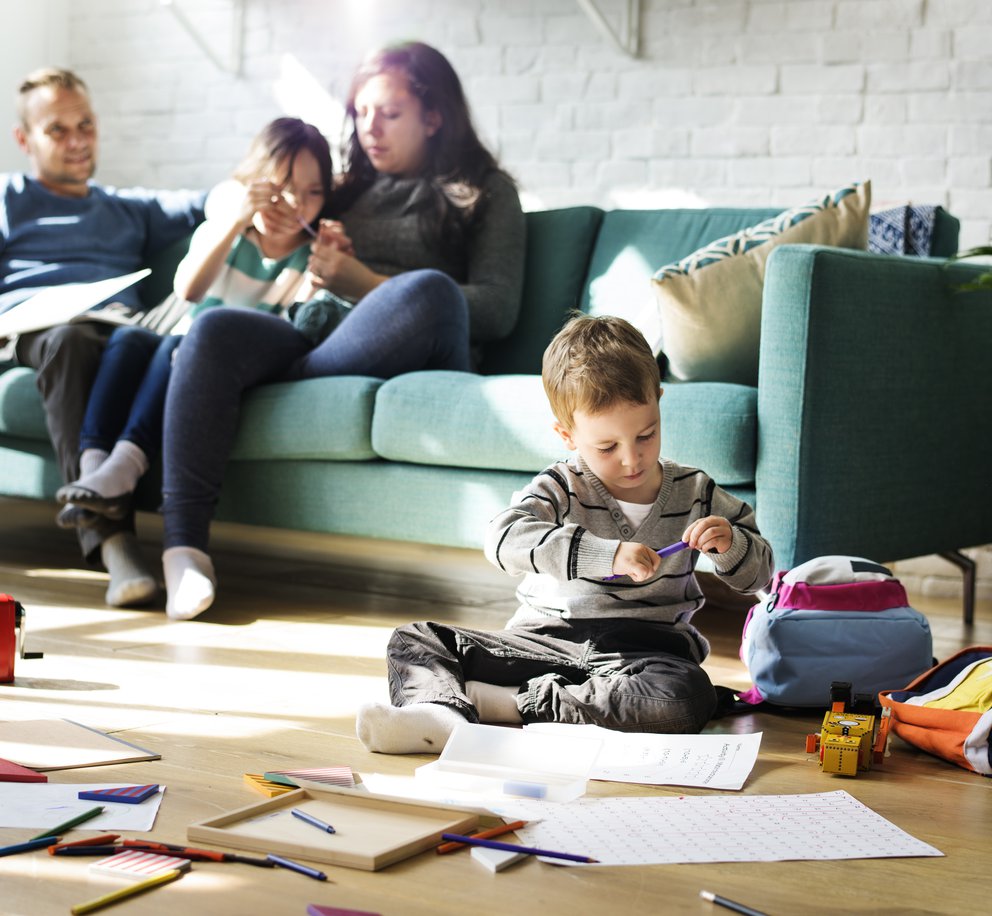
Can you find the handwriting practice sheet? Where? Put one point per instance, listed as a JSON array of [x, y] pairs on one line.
[[720, 828], [707, 761]]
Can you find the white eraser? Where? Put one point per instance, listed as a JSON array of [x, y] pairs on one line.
[[496, 859]]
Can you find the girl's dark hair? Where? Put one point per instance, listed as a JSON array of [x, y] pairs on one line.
[[457, 162], [279, 143]]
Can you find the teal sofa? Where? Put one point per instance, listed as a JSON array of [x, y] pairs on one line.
[[867, 433]]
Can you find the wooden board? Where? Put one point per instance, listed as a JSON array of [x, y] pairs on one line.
[[61, 744], [373, 831]]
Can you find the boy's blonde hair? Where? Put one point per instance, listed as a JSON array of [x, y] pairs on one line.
[[46, 78], [594, 363]]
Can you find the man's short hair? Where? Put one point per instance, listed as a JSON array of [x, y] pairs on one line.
[[594, 363], [47, 77]]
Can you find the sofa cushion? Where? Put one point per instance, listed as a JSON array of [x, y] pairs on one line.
[[709, 303], [456, 419], [320, 418], [329, 418], [459, 419], [632, 243], [21, 413], [558, 246]]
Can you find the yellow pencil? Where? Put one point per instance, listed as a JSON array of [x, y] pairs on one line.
[[113, 897]]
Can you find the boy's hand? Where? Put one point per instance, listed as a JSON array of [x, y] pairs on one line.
[[635, 560], [712, 534]]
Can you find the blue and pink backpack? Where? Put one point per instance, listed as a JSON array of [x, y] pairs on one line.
[[833, 619]]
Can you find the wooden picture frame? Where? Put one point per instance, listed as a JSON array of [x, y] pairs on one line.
[[372, 831]]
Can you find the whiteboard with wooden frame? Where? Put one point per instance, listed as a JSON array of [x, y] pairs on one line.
[[371, 831]]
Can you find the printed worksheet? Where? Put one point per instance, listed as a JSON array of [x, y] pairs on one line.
[[719, 828], [707, 761]]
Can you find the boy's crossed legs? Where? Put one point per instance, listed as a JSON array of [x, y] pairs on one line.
[[620, 674]]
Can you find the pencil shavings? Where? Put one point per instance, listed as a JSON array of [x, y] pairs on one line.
[[271, 789], [136, 863]]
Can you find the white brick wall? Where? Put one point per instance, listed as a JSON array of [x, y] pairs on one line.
[[758, 102], [730, 101]]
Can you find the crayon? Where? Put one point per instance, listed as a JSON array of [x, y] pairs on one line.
[[99, 902]]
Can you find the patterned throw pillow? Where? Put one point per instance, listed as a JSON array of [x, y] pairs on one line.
[[710, 302]]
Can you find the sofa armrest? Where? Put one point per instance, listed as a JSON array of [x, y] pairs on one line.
[[874, 399]]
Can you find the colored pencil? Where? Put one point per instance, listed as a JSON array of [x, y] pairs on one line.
[[106, 850], [104, 839], [202, 855], [140, 887], [72, 822], [35, 843], [297, 867], [729, 904], [482, 835], [513, 847], [306, 227]]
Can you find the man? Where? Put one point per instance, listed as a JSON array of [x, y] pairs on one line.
[[57, 226]]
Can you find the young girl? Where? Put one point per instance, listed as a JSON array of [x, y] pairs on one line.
[[435, 272], [252, 252]]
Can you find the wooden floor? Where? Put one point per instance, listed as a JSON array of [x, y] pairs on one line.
[[272, 676]]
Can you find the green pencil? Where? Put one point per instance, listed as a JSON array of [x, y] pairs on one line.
[[69, 824]]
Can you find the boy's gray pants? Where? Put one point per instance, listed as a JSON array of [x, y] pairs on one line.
[[626, 675]]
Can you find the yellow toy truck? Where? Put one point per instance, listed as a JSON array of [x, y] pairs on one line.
[[848, 741]]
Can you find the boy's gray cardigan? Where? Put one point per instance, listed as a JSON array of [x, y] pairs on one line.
[[563, 529]]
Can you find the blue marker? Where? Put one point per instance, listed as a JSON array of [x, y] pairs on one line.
[[316, 821], [672, 548], [296, 866]]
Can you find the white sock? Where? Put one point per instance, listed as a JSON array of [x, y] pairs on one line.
[[423, 728], [190, 582], [131, 581], [90, 459], [494, 703], [118, 474]]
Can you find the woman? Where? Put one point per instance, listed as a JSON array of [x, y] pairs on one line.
[[429, 246]]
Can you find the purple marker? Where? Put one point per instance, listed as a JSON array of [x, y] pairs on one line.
[[664, 552], [672, 548]]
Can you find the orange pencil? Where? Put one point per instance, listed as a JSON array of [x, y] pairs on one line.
[[482, 835], [101, 840]]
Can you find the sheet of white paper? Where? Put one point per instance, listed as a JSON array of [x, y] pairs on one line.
[[719, 828], [513, 809], [57, 305], [40, 805], [707, 761]]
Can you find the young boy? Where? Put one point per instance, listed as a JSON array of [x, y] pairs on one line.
[[602, 635]]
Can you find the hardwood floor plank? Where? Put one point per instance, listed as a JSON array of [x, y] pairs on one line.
[[272, 676]]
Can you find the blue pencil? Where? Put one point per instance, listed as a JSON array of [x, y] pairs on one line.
[[513, 847], [297, 867], [36, 843]]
